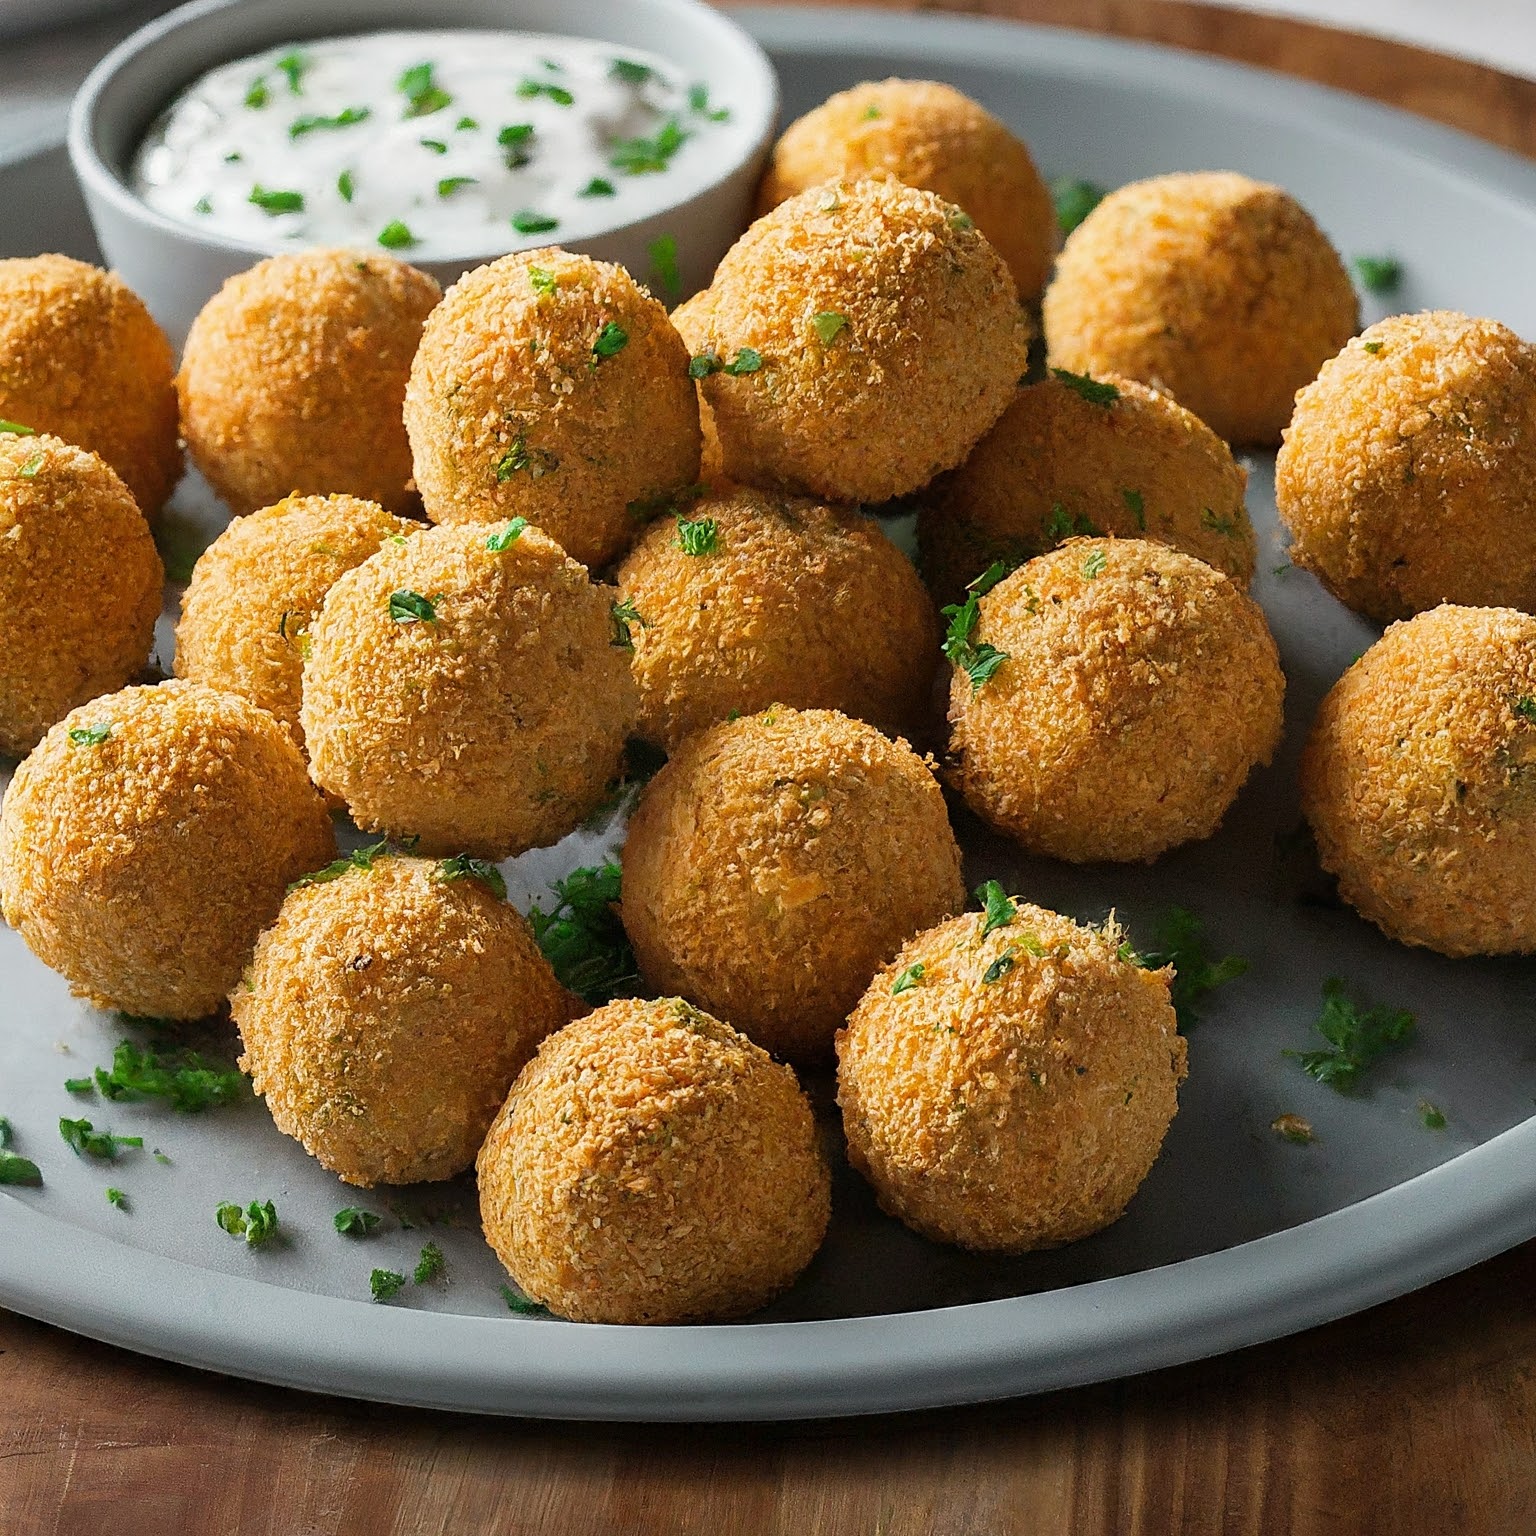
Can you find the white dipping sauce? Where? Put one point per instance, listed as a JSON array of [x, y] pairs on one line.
[[432, 144]]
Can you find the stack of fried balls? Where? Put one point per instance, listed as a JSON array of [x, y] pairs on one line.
[[484, 541]]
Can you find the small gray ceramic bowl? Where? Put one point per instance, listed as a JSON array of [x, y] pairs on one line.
[[176, 269]]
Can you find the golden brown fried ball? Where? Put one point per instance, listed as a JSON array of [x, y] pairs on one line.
[[386, 1013], [1419, 781], [81, 358], [293, 377], [1408, 474], [1138, 689], [691, 321], [1070, 460], [549, 386], [1220, 290], [927, 135], [863, 336], [1009, 1090], [652, 1165], [775, 599], [257, 588], [149, 839], [80, 585], [470, 688], [776, 861]]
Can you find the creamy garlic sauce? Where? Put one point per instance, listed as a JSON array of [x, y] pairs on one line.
[[434, 145]]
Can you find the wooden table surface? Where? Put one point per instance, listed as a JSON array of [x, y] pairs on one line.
[[1418, 1416]]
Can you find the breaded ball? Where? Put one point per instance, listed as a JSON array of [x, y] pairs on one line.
[[256, 589], [927, 135], [747, 598], [149, 839], [1408, 474], [1137, 689], [81, 358], [691, 321], [1009, 1089], [1086, 457], [550, 386], [1419, 781], [293, 377], [386, 1013], [1220, 290], [776, 862], [652, 1165], [859, 339], [80, 585], [469, 687]]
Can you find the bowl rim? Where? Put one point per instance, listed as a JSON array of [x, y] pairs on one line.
[[755, 87]]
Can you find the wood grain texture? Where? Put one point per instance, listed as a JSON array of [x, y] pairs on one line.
[[1419, 1416]]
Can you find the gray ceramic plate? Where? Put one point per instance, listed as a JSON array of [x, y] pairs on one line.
[[1237, 1236]]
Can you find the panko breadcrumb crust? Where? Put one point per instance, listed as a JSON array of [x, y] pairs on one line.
[[1016, 1092], [652, 1165], [776, 861], [257, 588], [1058, 465], [386, 1013], [80, 584], [1141, 687], [494, 725], [796, 603], [149, 839], [929, 135], [1219, 290], [293, 378], [516, 408], [921, 343], [1419, 782], [1408, 473], [82, 358]]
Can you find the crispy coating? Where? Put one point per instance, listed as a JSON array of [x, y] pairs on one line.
[[549, 386], [293, 377], [920, 345], [1408, 472], [1016, 1092], [928, 135], [142, 864], [1419, 781], [1058, 465], [257, 588], [80, 585], [490, 724], [385, 1015], [1140, 689], [691, 321], [776, 861], [796, 603], [81, 358], [652, 1165], [1219, 290]]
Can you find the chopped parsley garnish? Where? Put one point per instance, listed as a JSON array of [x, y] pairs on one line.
[[407, 607], [1433, 1118], [79, 1085], [598, 187], [1222, 525], [462, 867], [908, 978], [978, 661], [871, 112], [354, 1221], [959, 219], [1075, 199], [665, 275], [116, 1197], [639, 157], [517, 140], [15, 1169], [698, 538], [1356, 1037], [1179, 941], [1062, 524], [277, 202], [16, 429], [346, 186], [436, 146], [537, 461], [526, 221], [257, 95], [698, 104], [524, 1306], [747, 360], [998, 969], [558, 94], [997, 907], [505, 538], [89, 735], [827, 325], [1136, 507], [1094, 563], [422, 94], [1094, 391], [451, 184], [182, 1079], [465, 125], [541, 281], [623, 615], [203, 205], [359, 858], [396, 235], [28, 471], [293, 66], [611, 340], [630, 72], [1379, 274], [385, 1283], [1293, 1128], [343, 119], [430, 1265], [1371, 346], [1525, 707], [85, 1140], [582, 937], [257, 1223]]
